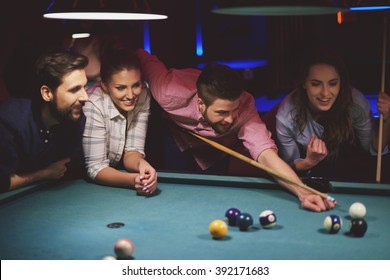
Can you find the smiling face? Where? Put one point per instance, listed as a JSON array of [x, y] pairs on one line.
[[69, 97], [124, 88], [221, 114], [322, 86]]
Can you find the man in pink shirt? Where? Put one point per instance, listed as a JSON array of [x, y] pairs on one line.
[[213, 104]]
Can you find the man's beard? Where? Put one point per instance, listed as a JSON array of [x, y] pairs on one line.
[[217, 126], [61, 115]]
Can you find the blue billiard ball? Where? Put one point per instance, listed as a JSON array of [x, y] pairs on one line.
[[333, 223], [231, 215], [267, 218], [358, 227], [244, 221]]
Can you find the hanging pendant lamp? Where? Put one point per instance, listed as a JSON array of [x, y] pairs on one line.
[[278, 8], [104, 10]]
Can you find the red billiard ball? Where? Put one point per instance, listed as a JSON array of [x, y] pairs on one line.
[[123, 248], [358, 227], [244, 221], [231, 215]]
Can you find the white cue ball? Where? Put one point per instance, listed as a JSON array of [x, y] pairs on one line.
[[357, 210], [123, 248], [108, 258]]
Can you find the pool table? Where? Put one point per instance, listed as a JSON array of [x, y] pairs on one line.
[[68, 220]]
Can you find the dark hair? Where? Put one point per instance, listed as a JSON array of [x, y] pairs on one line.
[[337, 122], [115, 59], [51, 67], [219, 82]]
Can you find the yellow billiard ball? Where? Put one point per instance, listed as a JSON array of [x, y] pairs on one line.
[[218, 229]]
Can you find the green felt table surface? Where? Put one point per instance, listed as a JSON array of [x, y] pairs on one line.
[[69, 221]]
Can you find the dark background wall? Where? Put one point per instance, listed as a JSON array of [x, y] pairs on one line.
[[280, 40]]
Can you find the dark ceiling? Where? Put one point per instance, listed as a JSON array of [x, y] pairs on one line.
[[281, 40]]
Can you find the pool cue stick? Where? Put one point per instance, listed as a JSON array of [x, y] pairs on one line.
[[380, 136], [261, 166]]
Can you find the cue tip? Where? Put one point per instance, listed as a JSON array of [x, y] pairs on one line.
[[331, 199]]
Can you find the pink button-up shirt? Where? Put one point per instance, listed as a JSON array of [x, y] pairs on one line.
[[175, 91]]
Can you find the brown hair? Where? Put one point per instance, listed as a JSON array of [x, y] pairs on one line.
[[116, 59], [219, 82], [51, 67], [337, 122]]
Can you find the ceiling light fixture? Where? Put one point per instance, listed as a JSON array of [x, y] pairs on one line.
[[103, 10], [278, 8]]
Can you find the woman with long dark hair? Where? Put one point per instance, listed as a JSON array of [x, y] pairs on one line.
[[323, 117]]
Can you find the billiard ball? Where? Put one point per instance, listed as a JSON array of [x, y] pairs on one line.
[[267, 218], [357, 210], [244, 221], [109, 258], [358, 227], [218, 229], [333, 223], [231, 215], [123, 248]]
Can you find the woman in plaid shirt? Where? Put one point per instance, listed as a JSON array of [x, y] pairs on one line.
[[117, 117]]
